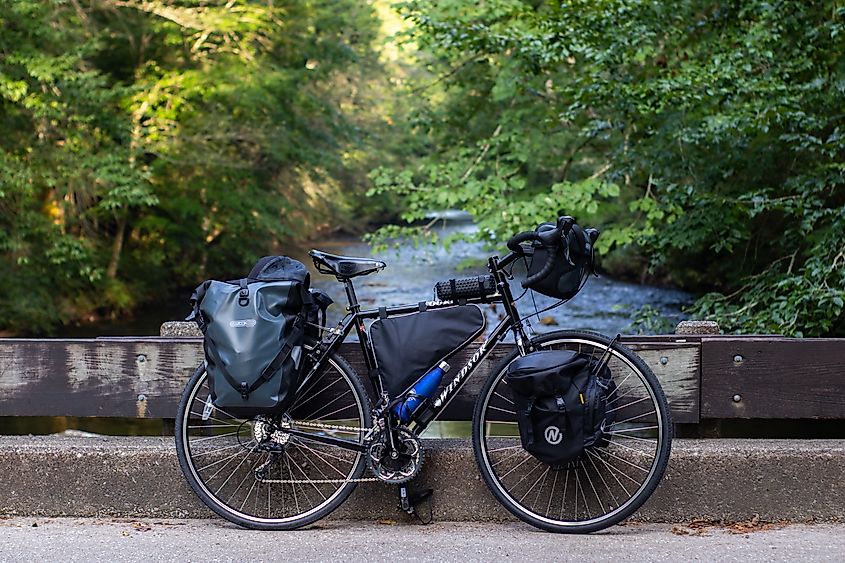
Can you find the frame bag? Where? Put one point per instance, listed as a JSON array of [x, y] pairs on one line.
[[561, 401], [253, 333], [408, 346]]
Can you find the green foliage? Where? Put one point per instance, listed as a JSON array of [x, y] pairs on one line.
[[708, 135], [649, 320], [148, 145]]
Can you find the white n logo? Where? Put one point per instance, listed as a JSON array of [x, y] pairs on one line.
[[553, 435]]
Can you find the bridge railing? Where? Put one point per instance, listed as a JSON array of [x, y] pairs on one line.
[[704, 376]]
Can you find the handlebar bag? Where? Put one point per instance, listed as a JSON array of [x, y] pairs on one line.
[[561, 401], [407, 346], [253, 333], [573, 262]]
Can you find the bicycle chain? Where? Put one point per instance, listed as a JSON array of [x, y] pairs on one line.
[[324, 481], [331, 427]]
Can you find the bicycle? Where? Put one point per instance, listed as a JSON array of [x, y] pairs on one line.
[[288, 471]]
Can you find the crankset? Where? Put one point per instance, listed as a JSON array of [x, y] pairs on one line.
[[399, 464]]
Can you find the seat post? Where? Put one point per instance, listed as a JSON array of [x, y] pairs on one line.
[[350, 294]]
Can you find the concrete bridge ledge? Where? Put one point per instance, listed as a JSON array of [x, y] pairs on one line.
[[794, 480]]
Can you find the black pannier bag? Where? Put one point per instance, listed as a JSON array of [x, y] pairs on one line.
[[254, 329], [561, 400], [407, 346], [574, 261]]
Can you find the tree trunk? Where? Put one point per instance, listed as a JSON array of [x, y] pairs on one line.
[[117, 248]]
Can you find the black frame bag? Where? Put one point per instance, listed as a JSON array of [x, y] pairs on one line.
[[253, 333], [407, 346], [560, 398]]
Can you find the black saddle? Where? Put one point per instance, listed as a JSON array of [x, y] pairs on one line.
[[345, 266]]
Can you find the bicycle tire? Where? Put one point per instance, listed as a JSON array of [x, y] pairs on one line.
[[626, 509], [237, 516]]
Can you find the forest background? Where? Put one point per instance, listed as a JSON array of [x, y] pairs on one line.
[[149, 144]]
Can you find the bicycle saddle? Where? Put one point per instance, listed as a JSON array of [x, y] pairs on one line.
[[344, 266]]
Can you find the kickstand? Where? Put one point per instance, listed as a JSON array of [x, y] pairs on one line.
[[409, 502]]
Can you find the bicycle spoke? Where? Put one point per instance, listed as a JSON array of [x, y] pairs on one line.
[[552, 495], [302, 477], [333, 401], [615, 470], [626, 405], [608, 476], [503, 397], [606, 486], [633, 418], [589, 480]]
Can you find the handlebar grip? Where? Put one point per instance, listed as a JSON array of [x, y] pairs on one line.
[[516, 240], [550, 262]]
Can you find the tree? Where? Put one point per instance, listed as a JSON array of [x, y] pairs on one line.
[[708, 137], [154, 143]]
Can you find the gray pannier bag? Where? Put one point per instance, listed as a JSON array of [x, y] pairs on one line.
[[254, 329]]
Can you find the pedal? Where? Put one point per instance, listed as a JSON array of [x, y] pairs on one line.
[[408, 501], [404, 501]]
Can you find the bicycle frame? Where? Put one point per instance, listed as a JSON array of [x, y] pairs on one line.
[[431, 410]]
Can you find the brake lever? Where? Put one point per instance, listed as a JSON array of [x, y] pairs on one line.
[[565, 223]]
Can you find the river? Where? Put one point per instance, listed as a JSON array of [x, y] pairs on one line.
[[604, 305]]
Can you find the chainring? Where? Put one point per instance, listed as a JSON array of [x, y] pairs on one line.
[[395, 467]]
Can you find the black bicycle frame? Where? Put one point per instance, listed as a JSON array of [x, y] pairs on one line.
[[430, 410]]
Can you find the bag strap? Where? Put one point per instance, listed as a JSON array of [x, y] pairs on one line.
[[482, 290], [529, 430], [243, 294], [212, 353], [277, 362]]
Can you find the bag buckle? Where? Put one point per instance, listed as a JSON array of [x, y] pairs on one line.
[[244, 388], [243, 294]]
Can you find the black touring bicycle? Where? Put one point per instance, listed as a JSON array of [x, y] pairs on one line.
[[571, 430]]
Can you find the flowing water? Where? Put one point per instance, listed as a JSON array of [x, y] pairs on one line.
[[604, 305]]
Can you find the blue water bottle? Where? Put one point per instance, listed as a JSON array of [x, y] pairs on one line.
[[422, 389]]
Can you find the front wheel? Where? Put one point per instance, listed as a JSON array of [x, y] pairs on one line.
[[611, 480]]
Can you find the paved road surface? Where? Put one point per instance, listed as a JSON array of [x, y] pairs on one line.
[[207, 541]]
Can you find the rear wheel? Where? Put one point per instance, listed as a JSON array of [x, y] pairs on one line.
[[251, 472], [610, 481]]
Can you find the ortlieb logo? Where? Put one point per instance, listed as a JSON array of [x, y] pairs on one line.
[[553, 435], [245, 323]]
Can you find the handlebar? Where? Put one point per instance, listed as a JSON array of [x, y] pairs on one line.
[[552, 238], [516, 240], [550, 263]]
